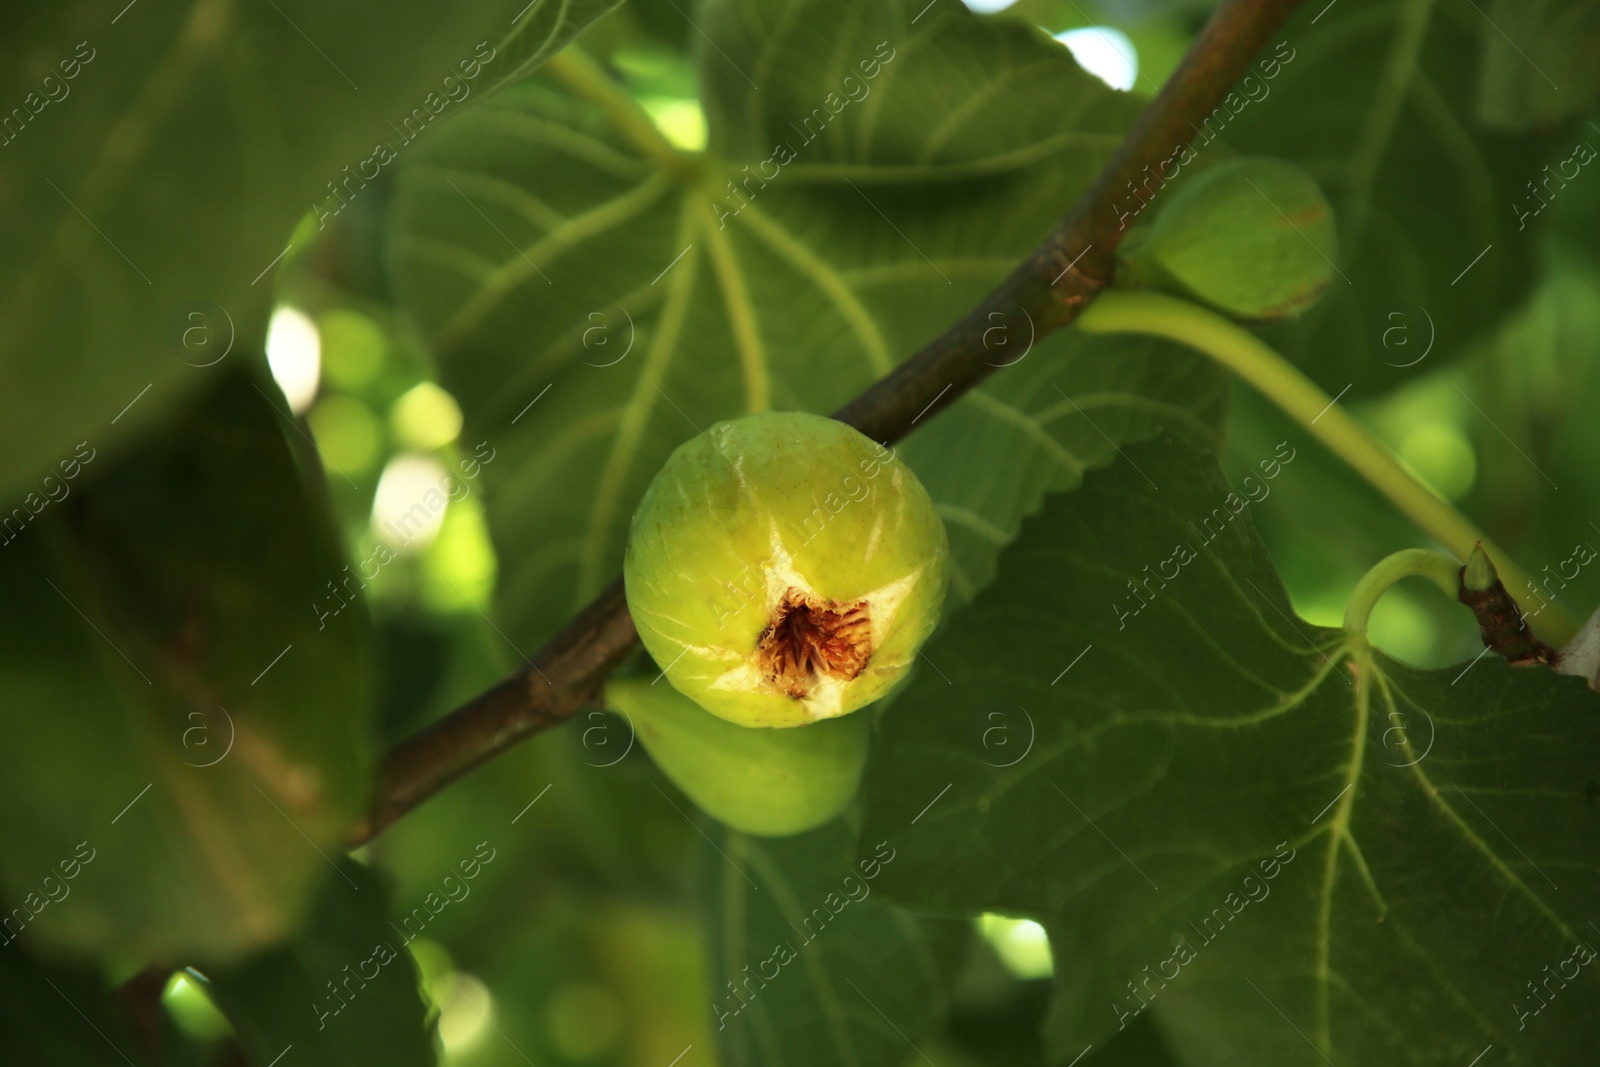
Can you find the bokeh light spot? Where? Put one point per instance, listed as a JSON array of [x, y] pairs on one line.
[[682, 122], [410, 504], [426, 417], [1402, 627], [191, 1009], [1106, 53], [1021, 944], [347, 433], [466, 1009], [1442, 456], [294, 354], [459, 570], [353, 348]]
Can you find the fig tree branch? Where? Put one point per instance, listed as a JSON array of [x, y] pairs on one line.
[[1049, 288]]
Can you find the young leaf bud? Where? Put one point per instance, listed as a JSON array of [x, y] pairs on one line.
[[1253, 238]]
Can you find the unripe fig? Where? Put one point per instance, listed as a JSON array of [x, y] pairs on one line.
[[782, 569], [1253, 238], [767, 782]]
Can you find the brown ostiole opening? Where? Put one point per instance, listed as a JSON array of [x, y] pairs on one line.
[[810, 638]]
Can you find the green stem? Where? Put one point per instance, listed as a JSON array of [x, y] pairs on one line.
[[1435, 566], [1243, 353]]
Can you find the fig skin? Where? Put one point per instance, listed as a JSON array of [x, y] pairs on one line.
[[772, 783], [1252, 238], [767, 510]]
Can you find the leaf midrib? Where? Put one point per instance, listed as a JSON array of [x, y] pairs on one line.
[[636, 414], [816, 968], [521, 266]]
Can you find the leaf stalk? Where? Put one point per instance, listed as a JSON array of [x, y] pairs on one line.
[[1246, 355], [1437, 567]]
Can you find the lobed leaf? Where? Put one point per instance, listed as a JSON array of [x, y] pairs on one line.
[[1286, 844], [595, 297]]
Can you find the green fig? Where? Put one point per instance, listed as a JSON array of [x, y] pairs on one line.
[[1252, 238], [767, 782], [783, 569]]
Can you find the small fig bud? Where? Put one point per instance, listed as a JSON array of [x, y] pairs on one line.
[[767, 782], [1478, 575], [1253, 238], [782, 569], [1500, 619]]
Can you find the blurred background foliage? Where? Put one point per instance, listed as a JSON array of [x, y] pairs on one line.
[[581, 943]]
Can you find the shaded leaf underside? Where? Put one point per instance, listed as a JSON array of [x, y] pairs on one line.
[[166, 181]]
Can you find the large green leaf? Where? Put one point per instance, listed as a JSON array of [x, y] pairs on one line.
[[808, 964], [1291, 846], [550, 242], [1538, 61], [345, 991], [148, 193], [540, 30], [56, 1015], [1039, 424], [184, 733], [1007, 1033], [1375, 100]]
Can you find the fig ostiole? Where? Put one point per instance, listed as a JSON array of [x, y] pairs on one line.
[[1252, 238], [767, 782], [783, 568]]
